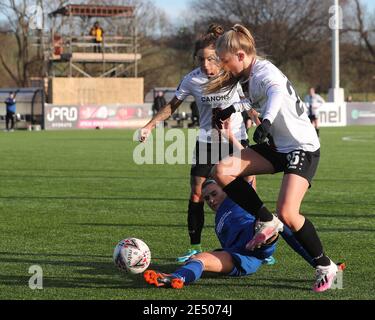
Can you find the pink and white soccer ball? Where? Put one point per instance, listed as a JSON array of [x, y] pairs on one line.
[[132, 255]]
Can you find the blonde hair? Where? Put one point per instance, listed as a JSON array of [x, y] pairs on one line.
[[238, 38]]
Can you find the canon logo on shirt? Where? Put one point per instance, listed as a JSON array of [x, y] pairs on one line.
[[215, 98]]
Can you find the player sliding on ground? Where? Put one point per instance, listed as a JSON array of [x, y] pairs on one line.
[[234, 228], [207, 151], [294, 148]]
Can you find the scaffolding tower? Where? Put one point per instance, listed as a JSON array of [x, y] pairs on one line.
[[71, 50]]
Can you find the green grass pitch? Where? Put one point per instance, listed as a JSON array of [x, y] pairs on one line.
[[67, 198]]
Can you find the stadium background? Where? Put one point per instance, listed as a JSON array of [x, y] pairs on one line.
[[67, 197]]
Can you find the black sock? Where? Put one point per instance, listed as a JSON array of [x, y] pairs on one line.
[[310, 241], [195, 221], [244, 195]]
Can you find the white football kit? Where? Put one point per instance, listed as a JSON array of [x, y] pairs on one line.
[[271, 92], [192, 84], [314, 103]]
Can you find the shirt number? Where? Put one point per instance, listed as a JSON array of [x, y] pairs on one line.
[[299, 108]]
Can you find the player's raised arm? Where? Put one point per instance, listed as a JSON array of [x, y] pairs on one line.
[[163, 114]]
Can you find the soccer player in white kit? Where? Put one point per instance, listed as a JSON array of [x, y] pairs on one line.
[[314, 102], [208, 139], [286, 142]]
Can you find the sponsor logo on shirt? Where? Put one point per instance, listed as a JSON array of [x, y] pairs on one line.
[[215, 98], [221, 222]]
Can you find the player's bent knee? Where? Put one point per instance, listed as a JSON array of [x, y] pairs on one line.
[[198, 256], [218, 173], [196, 194], [196, 189], [201, 257], [284, 216], [196, 198], [290, 218]]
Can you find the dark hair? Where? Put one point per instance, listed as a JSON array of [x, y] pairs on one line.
[[209, 39], [208, 182]]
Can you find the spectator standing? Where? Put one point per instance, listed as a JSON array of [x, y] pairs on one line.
[[97, 32], [159, 102], [314, 103], [10, 103]]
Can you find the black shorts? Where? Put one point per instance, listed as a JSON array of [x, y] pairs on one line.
[[206, 155], [299, 162]]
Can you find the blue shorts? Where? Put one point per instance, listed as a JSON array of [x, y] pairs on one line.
[[245, 264]]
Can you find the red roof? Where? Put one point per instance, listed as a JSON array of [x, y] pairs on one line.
[[94, 11]]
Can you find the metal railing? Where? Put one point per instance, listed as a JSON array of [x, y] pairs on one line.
[[84, 44]]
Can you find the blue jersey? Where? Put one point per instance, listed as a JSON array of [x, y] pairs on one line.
[[235, 228], [11, 105]]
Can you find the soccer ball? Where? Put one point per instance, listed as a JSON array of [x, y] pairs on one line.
[[132, 255]]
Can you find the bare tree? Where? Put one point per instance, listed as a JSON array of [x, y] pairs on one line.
[[28, 60], [151, 20], [16, 18], [361, 25], [284, 30]]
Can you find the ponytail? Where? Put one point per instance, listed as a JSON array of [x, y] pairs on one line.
[[213, 32], [215, 29], [237, 38], [222, 82]]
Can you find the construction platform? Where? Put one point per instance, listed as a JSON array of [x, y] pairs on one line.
[[98, 57]]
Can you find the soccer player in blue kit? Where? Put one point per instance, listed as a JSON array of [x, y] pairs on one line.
[[234, 228]]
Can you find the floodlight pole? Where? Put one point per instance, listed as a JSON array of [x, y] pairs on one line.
[[336, 94]]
